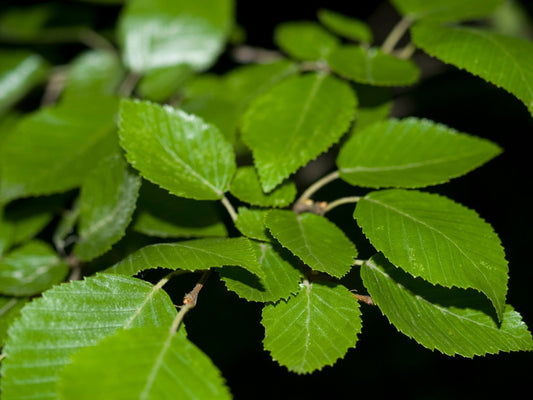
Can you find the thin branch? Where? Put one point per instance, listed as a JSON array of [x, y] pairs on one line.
[[342, 200], [317, 186], [129, 84], [365, 299], [396, 34], [358, 262], [231, 211], [406, 52], [94, 40], [75, 266], [189, 301], [55, 85], [247, 54]]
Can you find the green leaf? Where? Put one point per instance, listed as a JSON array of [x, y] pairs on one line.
[[70, 317], [342, 25], [53, 149], [446, 10], [9, 310], [30, 269], [178, 151], [279, 279], [246, 187], [191, 255], [295, 121], [143, 363], [65, 226], [160, 84], [107, 202], [305, 40], [24, 23], [20, 71], [93, 73], [410, 153], [222, 101], [313, 329], [161, 214], [318, 242], [432, 237], [372, 66], [511, 19], [251, 223], [161, 33], [453, 321], [501, 60]]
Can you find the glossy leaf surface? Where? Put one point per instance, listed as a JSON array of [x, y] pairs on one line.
[[372, 66], [318, 242], [410, 153], [178, 151], [432, 237], [501, 60], [69, 317], [453, 321], [312, 329], [304, 40], [311, 111]]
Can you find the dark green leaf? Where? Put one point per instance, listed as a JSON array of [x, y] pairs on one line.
[[446, 10], [279, 278], [178, 151], [30, 269], [432, 237], [70, 317], [410, 153], [246, 187], [161, 33], [191, 255], [251, 223], [318, 242], [313, 329], [345, 26], [143, 363], [160, 84], [9, 310], [107, 201], [372, 66], [24, 23], [304, 40], [453, 321], [295, 121], [501, 60]]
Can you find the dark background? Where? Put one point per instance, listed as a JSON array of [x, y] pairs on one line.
[[385, 364]]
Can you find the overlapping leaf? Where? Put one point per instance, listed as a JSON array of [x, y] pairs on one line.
[[246, 187], [191, 255], [452, 321], [108, 198], [279, 276], [304, 40], [53, 149], [251, 223], [311, 112], [9, 310], [312, 329], [143, 363], [160, 84], [411, 153], [178, 151], [501, 60], [446, 10], [69, 317], [161, 33], [30, 269], [433, 237], [372, 66], [342, 25], [318, 242]]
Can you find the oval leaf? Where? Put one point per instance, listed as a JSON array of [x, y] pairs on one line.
[[161, 33], [318, 242], [304, 40], [432, 237], [446, 10], [345, 26], [501, 60], [306, 114], [313, 329], [246, 187], [143, 363], [453, 321], [410, 153], [191, 255], [251, 223], [279, 276], [178, 151], [108, 198], [70, 317], [30, 269], [372, 66]]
